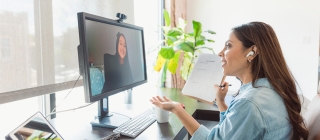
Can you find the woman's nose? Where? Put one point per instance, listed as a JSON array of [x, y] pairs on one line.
[[221, 53]]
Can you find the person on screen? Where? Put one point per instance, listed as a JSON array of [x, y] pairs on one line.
[[116, 67], [267, 106]]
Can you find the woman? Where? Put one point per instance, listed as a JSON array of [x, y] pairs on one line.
[[116, 67], [267, 106]]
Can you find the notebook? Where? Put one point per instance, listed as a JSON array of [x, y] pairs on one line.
[[36, 127], [206, 72]]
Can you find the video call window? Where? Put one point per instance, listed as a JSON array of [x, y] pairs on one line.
[[115, 56]]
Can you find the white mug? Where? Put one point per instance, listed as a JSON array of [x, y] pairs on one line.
[[162, 116]]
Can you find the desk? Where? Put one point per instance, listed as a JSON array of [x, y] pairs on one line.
[[77, 125]]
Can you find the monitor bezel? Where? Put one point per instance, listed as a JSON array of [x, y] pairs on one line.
[[83, 55]]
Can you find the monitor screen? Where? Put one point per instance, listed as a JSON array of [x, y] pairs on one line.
[[113, 57]]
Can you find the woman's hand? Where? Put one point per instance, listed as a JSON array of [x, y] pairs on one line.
[[165, 103], [187, 120], [221, 91], [221, 94]]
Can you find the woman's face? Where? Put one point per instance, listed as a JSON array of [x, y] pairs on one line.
[[233, 57], [122, 50]]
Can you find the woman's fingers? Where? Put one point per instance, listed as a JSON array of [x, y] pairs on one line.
[[216, 86], [226, 86], [156, 103], [155, 98], [160, 99], [152, 101], [166, 99]]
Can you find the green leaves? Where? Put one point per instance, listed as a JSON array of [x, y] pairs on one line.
[[172, 35], [178, 42], [199, 42], [166, 17], [211, 32], [197, 28], [171, 40], [173, 63], [186, 66], [167, 52], [174, 32], [164, 72], [209, 40], [185, 46]]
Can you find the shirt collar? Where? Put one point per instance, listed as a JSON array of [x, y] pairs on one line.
[[261, 82]]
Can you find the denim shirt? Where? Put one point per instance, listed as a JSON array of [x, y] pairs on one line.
[[256, 113]]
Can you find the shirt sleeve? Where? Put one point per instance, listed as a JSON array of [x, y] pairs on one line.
[[222, 117], [242, 120], [201, 133]]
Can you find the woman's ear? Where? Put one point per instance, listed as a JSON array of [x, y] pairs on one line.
[[253, 53], [255, 49]]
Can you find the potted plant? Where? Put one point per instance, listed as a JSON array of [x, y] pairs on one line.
[[178, 42]]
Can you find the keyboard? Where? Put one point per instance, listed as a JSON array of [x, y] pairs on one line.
[[136, 125]]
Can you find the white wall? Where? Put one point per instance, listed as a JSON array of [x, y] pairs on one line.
[[295, 22]]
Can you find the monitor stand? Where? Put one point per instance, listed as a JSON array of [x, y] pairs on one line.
[[107, 119], [128, 96]]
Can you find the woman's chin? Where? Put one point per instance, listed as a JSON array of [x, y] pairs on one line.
[[224, 72]]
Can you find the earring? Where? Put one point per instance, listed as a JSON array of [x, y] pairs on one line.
[[249, 61]]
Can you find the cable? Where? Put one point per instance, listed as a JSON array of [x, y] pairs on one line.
[[69, 109], [52, 112], [82, 107], [65, 96], [121, 114]]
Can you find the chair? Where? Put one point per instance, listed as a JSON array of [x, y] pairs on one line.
[[304, 103], [312, 118]]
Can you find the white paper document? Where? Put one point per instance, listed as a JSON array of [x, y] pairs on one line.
[[206, 72]]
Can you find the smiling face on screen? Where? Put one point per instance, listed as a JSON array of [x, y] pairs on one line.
[[122, 49]]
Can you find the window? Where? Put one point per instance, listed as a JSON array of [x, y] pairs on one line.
[[149, 17], [5, 48], [17, 60], [16, 38]]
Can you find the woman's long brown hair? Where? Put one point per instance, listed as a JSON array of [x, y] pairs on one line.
[[270, 64]]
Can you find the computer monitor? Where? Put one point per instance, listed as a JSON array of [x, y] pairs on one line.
[[111, 60]]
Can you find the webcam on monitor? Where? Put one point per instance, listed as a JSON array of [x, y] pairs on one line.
[[121, 17]]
